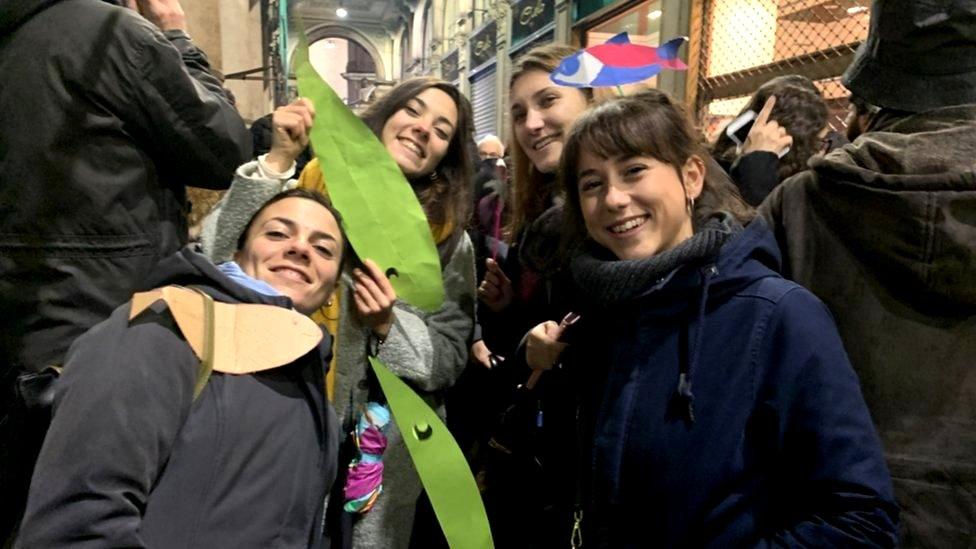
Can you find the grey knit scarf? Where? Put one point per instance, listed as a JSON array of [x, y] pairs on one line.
[[606, 280]]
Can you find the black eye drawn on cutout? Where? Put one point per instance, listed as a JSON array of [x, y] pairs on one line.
[[392, 272]]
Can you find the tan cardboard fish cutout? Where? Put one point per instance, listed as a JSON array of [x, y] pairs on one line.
[[248, 338]]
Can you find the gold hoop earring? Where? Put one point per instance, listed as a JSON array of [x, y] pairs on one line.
[[690, 204]]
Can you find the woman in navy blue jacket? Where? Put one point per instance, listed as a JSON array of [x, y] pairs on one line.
[[727, 412]]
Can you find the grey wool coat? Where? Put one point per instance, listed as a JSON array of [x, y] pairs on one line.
[[427, 350]]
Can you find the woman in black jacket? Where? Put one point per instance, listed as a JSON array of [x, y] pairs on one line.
[[149, 448], [529, 288]]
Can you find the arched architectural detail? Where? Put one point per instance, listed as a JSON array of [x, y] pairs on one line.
[[403, 49], [448, 21], [417, 31], [328, 30]]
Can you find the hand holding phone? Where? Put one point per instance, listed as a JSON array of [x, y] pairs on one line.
[[756, 132]]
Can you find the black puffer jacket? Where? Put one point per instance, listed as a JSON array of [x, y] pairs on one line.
[[105, 119], [131, 460], [884, 232]]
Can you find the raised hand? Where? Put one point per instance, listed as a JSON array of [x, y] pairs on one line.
[[767, 135], [495, 290], [290, 125]]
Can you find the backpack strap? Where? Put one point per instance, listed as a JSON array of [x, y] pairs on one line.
[[207, 357]]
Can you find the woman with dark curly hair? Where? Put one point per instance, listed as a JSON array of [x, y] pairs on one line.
[[798, 119]]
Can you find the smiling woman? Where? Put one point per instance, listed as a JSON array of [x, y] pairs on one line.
[[721, 409], [418, 135], [295, 243], [528, 287], [184, 451], [425, 126]]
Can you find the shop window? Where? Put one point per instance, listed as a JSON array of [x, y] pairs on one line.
[[744, 43]]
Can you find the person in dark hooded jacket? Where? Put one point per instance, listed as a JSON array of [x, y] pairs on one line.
[[107, 116], [144, 451], [723, 410], [884, 231]]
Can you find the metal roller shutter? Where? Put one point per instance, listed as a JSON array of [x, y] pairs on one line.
[[483, 101]]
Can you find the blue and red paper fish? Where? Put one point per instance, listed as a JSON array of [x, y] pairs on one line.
[[617, 62]]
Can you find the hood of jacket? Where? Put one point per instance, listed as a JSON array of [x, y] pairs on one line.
[[902, 198], [13, 13]]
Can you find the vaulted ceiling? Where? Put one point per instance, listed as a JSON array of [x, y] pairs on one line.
[[388, 14]]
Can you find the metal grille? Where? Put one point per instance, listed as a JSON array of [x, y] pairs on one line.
[[483, 102], [741, 44]]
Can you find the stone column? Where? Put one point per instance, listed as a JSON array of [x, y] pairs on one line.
[[562, 34]]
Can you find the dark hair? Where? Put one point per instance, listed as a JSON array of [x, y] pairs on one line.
[[646, 124], [800, 109], [447, 197], [530, 188], [307, 194]]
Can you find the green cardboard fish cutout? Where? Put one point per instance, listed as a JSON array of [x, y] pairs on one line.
[[385, 222], [382, 216], [442, 468]]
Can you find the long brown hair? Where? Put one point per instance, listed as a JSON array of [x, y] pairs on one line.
[[531, 188], [646, 124], [446, 198]]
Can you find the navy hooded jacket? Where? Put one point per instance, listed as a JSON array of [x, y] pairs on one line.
[[775, 445]]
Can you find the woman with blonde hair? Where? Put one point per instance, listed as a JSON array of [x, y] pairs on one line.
[[526, 493]]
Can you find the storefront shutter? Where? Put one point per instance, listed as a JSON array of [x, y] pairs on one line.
[[483, 101]]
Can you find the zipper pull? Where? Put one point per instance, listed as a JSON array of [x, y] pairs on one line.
[[576, 539]]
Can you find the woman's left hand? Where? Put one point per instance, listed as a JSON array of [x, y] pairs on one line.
[[374, 297]]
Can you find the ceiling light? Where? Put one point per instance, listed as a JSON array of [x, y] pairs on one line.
[[341, 12], [854, 10], [656, 14]]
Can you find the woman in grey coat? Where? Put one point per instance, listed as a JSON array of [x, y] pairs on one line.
[[425, 125]]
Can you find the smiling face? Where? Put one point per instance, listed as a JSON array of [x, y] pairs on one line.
[[295, 246], [636, 207], [542, 115], [418, 135]]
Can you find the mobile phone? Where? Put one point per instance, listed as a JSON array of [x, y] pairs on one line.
[[738, 129]]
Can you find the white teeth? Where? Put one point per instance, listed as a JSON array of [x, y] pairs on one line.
[[413, 147], [622, 228], [542, 143], [291, 275]]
